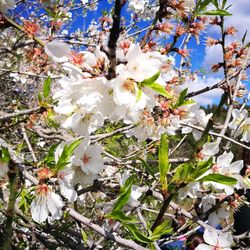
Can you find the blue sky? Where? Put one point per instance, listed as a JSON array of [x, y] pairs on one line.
[[201, 56]]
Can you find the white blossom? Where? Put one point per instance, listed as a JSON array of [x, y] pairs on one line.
[[46, 204], [216, 240]]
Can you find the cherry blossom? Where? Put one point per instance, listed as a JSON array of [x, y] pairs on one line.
[[46, 204], [216, 240]]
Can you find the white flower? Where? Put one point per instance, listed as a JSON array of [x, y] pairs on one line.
[[138, 5], [240, 124], [65, 178], [84, 123], [210, 149], [6, 4], [224, 166], [89, 158], [216, 240], [214, 218], [46, 204], [192, 190]]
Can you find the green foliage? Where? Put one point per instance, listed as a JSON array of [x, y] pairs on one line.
[[124, 196], [189, 172], [181, 100], [25, 200], [163, 161], [150, 83], [49, 160], [201, 8], [163, 228], [151, 79], [215, 13], [159, 89], [46, 87], [4, 155], [219, 178], [67, 152], [148, 168]]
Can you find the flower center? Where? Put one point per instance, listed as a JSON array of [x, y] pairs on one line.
[[86, 159], [43, 189], [129, 85]]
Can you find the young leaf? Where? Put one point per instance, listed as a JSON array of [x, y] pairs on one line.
[[148, 168], [124, 196], [159, 89], [120, 216], [215, 3], [136, 233], [4, 155], [244, 38], [163, 228], [202, 167], [50, 157], [67, 152], [46, 87], [215, 13], [139, 95], [151, 79], [223, 179], [181, 98], [163, 161], [224, 4], [201, 5]]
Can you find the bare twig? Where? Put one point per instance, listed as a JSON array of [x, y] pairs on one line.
[[109, 236], [21, 113], [25, 137]]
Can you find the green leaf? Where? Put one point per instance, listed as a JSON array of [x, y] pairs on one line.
[[163, 228], [202, 167], [39, 97], [181, 98], [120, 216], [50, 157], [124, 196], [223, 179], [46, 87], [215, 3], [4, 155], [163, 161], [159, 89], [244, 37], [148, 168], [136, 233], [25, 200], [67, 152], [215, 13], [203, 4], [224, 4], [139, 95], [84, 236], [151, 79]]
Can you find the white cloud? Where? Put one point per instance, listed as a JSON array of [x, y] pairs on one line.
[[207, 98]]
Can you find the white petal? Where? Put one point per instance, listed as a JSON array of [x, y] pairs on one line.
[[38, 209], [213, 219], [236, 167], [211, 236], [204, 247], [225, 239], [59, 51], [55, 205]]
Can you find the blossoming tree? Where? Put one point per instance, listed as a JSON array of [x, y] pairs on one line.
[[102, 145]]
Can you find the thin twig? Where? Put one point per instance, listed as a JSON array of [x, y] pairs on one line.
[[109, 236]]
